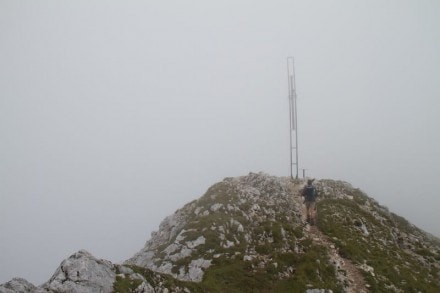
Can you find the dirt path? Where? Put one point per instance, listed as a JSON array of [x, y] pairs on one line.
[[346, 271]]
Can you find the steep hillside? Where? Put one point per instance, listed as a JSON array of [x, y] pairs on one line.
[[244, 234], [393, 254], [248, 234]]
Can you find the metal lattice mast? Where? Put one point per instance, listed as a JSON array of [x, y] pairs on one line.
[[293, 117]]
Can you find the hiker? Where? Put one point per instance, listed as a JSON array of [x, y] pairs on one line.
[[309, 193]]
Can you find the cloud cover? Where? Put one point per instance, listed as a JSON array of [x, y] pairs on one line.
[[113, 115]]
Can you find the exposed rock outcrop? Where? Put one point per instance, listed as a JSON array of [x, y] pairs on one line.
[[226, 221], [82, 272], [17, 285]]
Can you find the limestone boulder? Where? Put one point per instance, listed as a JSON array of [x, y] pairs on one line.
[[17, 285], [83, 273]]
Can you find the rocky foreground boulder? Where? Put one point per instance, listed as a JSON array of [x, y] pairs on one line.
[[82, 272], [248, 234]]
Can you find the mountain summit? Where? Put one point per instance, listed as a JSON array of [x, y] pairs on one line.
[[248, 234]]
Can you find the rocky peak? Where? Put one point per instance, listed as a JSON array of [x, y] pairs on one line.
[[225, 222], [256, 221], [82, 272]]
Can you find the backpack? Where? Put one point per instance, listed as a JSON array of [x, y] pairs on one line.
[[310, 193]]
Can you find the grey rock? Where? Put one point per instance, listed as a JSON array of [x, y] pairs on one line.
[[82, 272], [145, 288], [17, 285], [175, 248]]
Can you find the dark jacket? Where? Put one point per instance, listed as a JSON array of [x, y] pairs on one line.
[[309, 193]]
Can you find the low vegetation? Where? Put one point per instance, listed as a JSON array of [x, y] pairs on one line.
[[371, 243], [232, 274], [255, 242]]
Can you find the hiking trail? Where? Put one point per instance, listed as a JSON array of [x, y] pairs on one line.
[[346, 271]]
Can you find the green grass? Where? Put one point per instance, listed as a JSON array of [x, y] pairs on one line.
[[310, 268], [126, 284]]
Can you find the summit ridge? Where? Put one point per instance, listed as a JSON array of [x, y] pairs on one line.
[[249, 234]]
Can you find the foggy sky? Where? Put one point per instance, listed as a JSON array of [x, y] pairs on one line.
[[113, 114]]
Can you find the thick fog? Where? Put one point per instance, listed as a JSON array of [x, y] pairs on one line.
[[113, 114]]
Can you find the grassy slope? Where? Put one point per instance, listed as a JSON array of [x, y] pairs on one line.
[[394, 267], [229, 272], [340, 219]]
